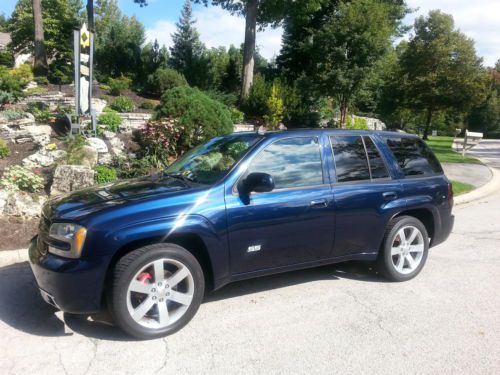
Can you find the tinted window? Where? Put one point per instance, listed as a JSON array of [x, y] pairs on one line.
[[377, 166], [350, 158], [293, 162], [414, 157]]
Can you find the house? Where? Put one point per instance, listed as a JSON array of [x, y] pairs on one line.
[[4, 40], [20, 58]]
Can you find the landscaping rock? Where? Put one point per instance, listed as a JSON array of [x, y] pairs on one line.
[[117, 146], [43, 158], [24, 130], [20, 203], [91, 156], [69, 178], [108, 135], [105, 159], [53, 99], [133, 121], [98, 144]]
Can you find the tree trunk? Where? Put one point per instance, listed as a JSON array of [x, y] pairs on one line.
[[343, 113], [90, 15], [249, 47], [40, 66], [428, 124]]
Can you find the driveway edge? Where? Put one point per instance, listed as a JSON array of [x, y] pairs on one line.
[[489, 188], [11, 257]]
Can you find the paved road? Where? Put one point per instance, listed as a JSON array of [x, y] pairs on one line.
[[335, 319], [487, 150]]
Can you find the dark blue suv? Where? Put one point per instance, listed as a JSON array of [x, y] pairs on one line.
[[237, 207]]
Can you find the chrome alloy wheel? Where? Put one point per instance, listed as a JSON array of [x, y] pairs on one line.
[[160, 293], [407, 249]]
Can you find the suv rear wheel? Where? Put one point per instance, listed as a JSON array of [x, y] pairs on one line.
[[156, 290], [404, 249]]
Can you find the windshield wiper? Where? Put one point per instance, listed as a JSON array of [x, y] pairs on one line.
[[179, 176]]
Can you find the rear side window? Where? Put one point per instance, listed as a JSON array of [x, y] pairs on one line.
[[357, 159], [413, 156], [293, 162]]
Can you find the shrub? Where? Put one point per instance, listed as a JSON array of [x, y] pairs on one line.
[[11, 86], [60, 72], [20, 178], [11, 114], [40, 111], [236, 115], [41, 80], [197, 116], [123, 104], [127, 167], [256, 103], [105, 87], [356, 123], [75, 151], [111, 120], [274, 113], [105, 174], [164, 79], [6, 97], [229, 99], [35, 91], [4, 149], [7, 58], [23, 74], [148, 104], [161, 139], [119, 85]]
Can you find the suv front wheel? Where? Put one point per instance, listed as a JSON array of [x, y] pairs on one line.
[[156, 290], [404, 250]]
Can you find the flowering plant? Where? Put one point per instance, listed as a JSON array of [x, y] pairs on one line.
[[20, 178]]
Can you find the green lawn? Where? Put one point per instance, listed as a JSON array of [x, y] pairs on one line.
[[461, 188], [445, 153]]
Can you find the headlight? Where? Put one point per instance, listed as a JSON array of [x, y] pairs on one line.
[[72, 234]]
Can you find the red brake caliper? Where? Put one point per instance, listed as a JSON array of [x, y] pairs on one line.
[[144, 277]]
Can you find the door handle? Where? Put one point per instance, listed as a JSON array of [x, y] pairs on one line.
[[389, 195], [320, 203]]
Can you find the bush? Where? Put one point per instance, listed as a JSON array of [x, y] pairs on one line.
[[41, 80], [236, 115], [11, 114], [148, 104], [75, 151], [197, 116], [20, 178], [35, 91], [123, 104], [161, 139], [40, 110], [164, 79], [23, 74], [7, 58], [104, 87], [60, 72], [231, 100], [127, 167], [105, 174], [6, 97], [119, 85], [358, 123], [4, 149], [274, 114], [111, 120], [256, 103]]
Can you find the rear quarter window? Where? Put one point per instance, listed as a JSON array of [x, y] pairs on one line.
[[413, 156]]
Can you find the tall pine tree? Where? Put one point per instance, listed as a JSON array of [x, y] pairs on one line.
[[187, 49]]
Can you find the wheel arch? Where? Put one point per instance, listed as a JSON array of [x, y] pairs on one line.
[[425, 215]]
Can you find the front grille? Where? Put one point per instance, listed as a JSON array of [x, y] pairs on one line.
[[43, 234]]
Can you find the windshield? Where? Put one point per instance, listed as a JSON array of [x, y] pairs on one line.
[[207, 163]]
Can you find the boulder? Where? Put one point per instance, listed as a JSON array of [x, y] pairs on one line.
[[117, 146], [108, 135], [20, 203], [98, 144], [105, 159], [23, 132], [68, 178], [43, 158], [90, 156]]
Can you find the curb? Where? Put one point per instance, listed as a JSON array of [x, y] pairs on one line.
[[482, 192], [11, 257]]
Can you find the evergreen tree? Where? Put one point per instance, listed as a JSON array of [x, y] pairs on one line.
[[187, 49]]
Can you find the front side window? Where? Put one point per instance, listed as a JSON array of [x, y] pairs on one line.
[[413, 156], [350, 158], [207, 163], [292, 162]]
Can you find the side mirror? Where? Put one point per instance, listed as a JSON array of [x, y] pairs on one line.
[[257, 182]]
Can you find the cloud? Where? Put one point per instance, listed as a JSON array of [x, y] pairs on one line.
[[478, 19], [218, 27]]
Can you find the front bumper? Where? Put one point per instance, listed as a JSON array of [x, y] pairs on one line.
[[73, 285]]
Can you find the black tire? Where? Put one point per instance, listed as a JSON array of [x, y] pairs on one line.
[[385, 262], [125, 270]]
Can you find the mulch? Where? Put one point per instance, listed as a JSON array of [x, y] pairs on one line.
[[16, 233]]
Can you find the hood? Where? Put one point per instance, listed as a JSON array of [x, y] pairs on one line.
[[87, 201]]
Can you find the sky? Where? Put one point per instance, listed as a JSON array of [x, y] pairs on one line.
[[478, 19]]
